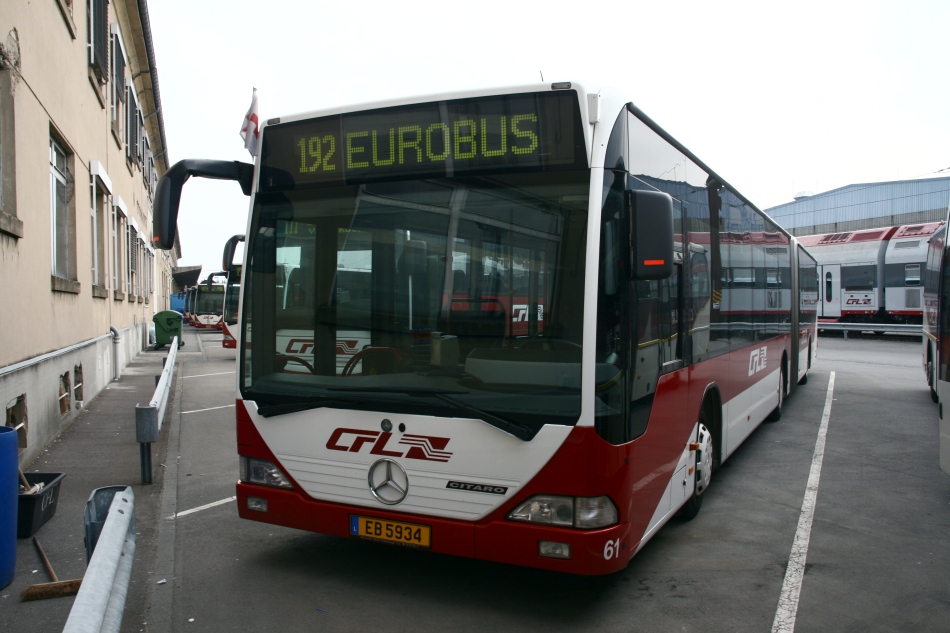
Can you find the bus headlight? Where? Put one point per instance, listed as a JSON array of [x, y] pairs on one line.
[[579, 512], [263, 473], [594, 512], [547, 509]]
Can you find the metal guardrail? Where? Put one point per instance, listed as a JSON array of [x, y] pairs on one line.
[[101, 600], [898, 328], [149, 418]]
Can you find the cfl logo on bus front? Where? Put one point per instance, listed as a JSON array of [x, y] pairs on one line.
[[758, 360], [424, 447]]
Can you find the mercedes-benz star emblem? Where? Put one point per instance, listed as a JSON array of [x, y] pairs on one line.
[[388, 481]]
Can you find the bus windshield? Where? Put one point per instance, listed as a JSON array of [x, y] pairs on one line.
[[458, 297], [209, 301], [231, 295]]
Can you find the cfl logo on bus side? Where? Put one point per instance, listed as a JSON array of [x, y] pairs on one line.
[[758, 360], [519, 313], [858, 302]]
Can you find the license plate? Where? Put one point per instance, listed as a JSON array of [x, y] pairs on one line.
[[391, 531]]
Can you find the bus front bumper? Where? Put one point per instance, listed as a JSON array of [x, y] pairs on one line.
[[592, 552]]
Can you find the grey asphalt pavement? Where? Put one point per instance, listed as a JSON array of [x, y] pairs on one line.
[[877, 557]]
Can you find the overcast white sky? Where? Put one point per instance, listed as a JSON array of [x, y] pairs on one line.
[[776, 99]]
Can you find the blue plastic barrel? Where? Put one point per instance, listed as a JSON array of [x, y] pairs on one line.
[[8, 504]]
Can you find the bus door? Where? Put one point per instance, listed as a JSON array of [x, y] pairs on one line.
[[830, 291]]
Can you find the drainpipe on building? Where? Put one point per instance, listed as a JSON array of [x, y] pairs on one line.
[[115, 352]]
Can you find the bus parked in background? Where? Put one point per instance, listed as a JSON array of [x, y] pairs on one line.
[[231, 293], [209, 303], [190, 297], [557, 322]]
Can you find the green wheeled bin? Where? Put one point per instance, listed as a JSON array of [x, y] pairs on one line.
[[167, 326]]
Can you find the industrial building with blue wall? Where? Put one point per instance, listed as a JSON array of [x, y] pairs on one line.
[[865, 206]]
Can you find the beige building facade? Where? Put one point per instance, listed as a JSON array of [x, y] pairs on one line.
[[82, 146]]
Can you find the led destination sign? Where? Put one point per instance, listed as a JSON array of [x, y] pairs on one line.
[[536, 131]]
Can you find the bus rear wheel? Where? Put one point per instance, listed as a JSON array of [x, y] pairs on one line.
[[776, 414], [704, 468]]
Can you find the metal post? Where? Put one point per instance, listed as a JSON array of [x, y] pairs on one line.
[[145, 451]]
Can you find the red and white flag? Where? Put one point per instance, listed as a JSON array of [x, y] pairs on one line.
[[250, 129]]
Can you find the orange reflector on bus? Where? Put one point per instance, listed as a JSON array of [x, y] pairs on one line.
[[694, 446], [654, 262]]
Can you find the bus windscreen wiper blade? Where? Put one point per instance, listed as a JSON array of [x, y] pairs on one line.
[[410, 391], [268, 411], [519, 431]]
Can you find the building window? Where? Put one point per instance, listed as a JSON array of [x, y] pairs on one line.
[[133, 127], [59, 208], [98, 42], [118, 231], [99, 221]]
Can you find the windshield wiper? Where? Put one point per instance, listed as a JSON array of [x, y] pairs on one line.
[[410, 391], [271, 410], [519, 431], [268, 411]]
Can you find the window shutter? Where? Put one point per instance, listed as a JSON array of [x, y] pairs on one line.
[[100, 39], [118, 68], [133, 250], [130, 124]]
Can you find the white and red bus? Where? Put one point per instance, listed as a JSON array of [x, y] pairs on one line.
[[208, 303], [936, 339], [232, 293], [557, 323]]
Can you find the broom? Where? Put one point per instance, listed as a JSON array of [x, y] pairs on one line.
[[55, 589]]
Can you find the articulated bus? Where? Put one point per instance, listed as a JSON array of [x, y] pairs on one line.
[[520, 325], [232, 292]]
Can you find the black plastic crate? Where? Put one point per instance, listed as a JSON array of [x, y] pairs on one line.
[[36, 509]]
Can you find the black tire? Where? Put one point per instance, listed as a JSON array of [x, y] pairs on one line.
[[803, 380], [776, 414], [705, 458]]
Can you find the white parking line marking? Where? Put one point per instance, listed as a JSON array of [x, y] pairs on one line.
[[204, 507], [794, 574], [211, 409], [203, 375]]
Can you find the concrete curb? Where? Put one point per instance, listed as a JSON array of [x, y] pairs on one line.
[[160, 596]]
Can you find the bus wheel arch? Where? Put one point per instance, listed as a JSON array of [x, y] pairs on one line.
[[776, 413]]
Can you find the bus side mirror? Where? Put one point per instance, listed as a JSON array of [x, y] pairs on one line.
[[168, 192], [651, 239], [227, 260]]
